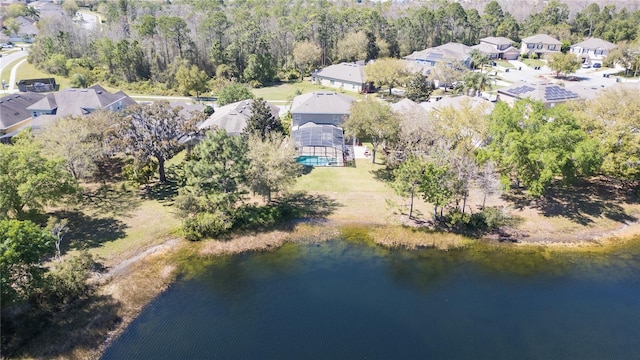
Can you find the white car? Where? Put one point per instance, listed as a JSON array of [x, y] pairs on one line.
[[6, 46]]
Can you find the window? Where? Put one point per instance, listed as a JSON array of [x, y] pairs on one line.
[[332, 82], [584, 51], [336, 119], [297, 119], [552, 47], [599, 52], [539, 46], [530, 46]]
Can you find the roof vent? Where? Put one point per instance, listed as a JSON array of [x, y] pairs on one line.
[[99, 91]]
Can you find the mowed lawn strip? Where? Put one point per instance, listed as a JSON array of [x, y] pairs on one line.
[[362, 197]]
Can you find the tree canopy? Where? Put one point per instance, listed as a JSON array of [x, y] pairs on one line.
[[22, 248], [373, 120], [234, 92], [533, 145], [262, 122], [29, 180], [153, 131], [386, 72], [564, 63]]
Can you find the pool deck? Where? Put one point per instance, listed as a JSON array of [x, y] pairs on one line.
[[359, 152]]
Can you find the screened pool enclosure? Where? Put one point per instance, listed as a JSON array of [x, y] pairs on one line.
[[321, 145]]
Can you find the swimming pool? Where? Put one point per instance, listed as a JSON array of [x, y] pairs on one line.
[[313, 160]]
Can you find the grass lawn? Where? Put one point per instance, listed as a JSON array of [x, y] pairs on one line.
[[29, 71], [504, 63], [285, 92], [533, 62], [6, 72], [359, 191]]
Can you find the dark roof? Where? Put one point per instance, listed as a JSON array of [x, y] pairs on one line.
[[311, 134], [13, 108]]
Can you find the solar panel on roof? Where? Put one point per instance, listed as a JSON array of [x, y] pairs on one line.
[[521, 90]]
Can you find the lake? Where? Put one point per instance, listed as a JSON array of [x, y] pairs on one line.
[[353, 300]]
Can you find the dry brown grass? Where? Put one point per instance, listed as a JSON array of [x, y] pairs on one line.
[[270, 240]]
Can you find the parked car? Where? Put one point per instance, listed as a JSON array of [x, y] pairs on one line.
[[6, 46], [586, 66], [597, 65]]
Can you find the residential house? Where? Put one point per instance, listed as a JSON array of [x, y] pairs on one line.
[[548, 93], [592, 50], [315, 128], [345, 76], [76, 102], [541, 45], [233, 117], [14, 115], [28, 30], [498, 48], [447, 53], [320, 108]]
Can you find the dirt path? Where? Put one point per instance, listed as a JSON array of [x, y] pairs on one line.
[[123, 266]]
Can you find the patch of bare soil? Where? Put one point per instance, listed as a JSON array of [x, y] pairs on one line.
[[586, 213]]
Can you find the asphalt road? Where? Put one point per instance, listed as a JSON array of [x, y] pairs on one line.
[[7, 59]]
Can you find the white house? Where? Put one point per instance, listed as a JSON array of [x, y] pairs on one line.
[[345, 76], [592, 50]]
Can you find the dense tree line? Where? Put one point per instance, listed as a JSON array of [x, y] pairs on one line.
[[527, 146], [175, 47]]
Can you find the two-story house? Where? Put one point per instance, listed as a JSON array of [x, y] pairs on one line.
[[498, 48], [316, 131], [592, 50], [541, 45]]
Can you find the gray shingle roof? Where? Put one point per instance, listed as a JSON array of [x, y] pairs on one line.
[[497, 40], [322, 103], [13, 108], [447, 52], [75, 102], [595, 43], [541, 38], [349, 72], [233, 117]]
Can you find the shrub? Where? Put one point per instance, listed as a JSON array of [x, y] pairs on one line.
[[476, 224], [68, 281], [206, 224]]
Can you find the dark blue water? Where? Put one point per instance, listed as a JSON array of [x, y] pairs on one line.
[[346, 300]]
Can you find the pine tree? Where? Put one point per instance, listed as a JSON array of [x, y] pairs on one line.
[[262, 122]]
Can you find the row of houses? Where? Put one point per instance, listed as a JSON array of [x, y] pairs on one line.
[[350, 76], [25, 109]]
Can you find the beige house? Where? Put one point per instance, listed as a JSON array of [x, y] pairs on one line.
[[498, 48], [541, 45], [592, 50]]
